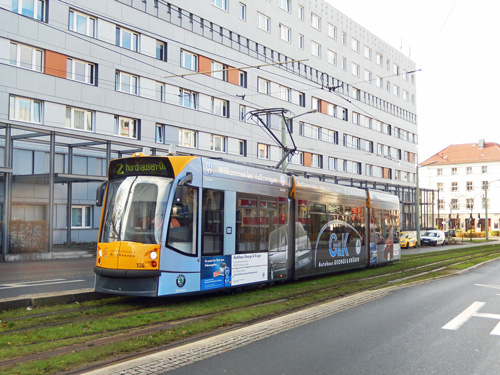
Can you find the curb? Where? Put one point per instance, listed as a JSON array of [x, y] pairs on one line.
[[45, 299]]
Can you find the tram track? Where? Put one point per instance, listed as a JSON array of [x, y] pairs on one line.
[[296, 296]]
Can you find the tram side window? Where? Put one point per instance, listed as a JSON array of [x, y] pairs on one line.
[[213, 222], [355, 216], [257, 218], [183, 220], [386, 225]]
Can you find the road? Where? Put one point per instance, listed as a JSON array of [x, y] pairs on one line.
[[45, 276], [450, 326], [447, 326]]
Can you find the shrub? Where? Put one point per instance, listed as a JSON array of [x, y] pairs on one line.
[[28, 236]]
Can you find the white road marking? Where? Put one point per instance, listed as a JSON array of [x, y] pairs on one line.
[[489, 286], [36, 283], [473, 311], [463, 317]]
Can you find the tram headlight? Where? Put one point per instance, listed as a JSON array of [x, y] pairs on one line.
[[100, 253], [153, 255]]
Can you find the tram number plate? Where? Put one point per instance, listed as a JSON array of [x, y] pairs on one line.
[[140, 265]]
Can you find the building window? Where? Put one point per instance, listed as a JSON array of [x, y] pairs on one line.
[[242, 150], [264, 22], [380, 82], [484, 169], [30, 8], [242, 113], [355, 44], [285, 93], [26, 57], [315, 103], [440, 186], [127, 83], [80, 71], [127, 39], [355, 69], [160, 91], [218, 143], [264, 86], [301, 41], [332, 31], [301, 13], [454, 204], [468, 170], [82, 23], [441, 204], [439, 171], [344, 64], [316, 161], [218, 70], [332, 57], [368, 53], [24, 109], [189, 60], [263, 151], [161, 50], [188, 99], [395, 90], [380, 59], [302, 99], [470, 204], [187, 138], [80, 119], [454, 186], [395, 69], [469, 186], [126, 127], [315, 21], [222, 4], [242, 78], [285, 5], [285, 33], [160, 133], [220, 107], [242, 11], [344, 38], [315, 49], [81, 216], [453, 171], [368, 76]]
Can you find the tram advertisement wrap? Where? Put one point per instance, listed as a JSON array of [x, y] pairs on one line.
[[232, 270], [338, 245]]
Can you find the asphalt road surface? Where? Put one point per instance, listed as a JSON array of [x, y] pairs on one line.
[[48, 276], [448, 326]]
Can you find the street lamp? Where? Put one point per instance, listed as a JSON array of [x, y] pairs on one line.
[[284, 128]]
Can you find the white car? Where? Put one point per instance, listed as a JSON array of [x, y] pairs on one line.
[[433, 237]]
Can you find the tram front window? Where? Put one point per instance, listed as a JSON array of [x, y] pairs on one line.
[[135, 209]]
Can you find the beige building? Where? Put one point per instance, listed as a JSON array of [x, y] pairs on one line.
[[466, 178]]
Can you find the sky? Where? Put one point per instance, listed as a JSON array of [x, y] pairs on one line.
[[455, 44]]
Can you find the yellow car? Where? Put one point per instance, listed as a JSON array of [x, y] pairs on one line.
[[407, 240]]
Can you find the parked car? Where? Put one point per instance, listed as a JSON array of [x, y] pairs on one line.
[[433, 237], [453, 232], [407, 240]]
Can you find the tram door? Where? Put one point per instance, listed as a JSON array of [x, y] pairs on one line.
[[179, 260]]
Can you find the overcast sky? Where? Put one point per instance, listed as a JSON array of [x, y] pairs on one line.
[[455, 43]]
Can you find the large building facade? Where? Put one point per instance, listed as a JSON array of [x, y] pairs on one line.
[[87, 81], [465, 179]]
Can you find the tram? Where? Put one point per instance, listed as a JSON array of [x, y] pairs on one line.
[[176, 225]]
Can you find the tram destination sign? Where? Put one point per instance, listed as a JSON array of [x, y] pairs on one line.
[[140, 166]]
